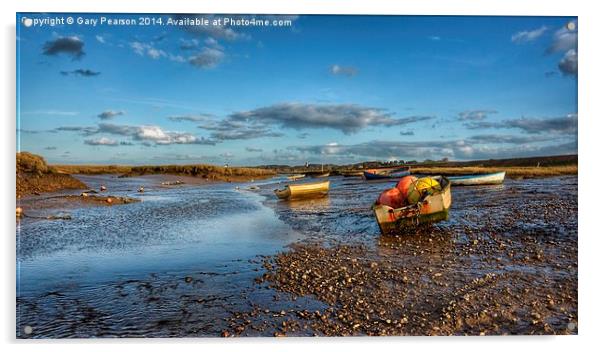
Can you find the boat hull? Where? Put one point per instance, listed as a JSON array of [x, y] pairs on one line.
[[296, 177], [477, 180], [375, 176], [303, 190], [352, 173], [432, 208], [318, 175]]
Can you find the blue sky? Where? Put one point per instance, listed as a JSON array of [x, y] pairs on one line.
[[324, 89]]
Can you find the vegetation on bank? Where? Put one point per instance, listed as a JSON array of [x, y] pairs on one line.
[[92, 169], [526, 167], [209, 172], [512, 171], [35, 176]]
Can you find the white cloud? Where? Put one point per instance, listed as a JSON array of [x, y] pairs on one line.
[[207, 58], [565, 39], [102, 141], [528, 36], [348, 71]]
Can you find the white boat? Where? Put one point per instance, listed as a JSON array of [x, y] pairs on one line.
[[296, 177], [481, 179]]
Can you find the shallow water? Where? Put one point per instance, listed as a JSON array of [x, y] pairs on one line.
[[122, 270], [185, 258]]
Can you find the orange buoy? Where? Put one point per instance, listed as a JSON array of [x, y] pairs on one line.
[[19, 212], [404, 185], [391, 197]]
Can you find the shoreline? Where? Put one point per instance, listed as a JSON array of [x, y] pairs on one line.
[[35, 176]]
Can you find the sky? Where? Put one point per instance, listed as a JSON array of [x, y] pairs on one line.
[[165, 89]]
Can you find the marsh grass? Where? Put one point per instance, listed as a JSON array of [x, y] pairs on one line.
[[35, 176], [511, 171], [210, 172]]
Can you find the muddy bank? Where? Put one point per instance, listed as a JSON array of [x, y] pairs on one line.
[[108, 200], [56, 207], [34, 176], [35, 184]]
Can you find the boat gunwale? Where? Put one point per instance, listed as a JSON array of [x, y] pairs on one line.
[[475, 176]]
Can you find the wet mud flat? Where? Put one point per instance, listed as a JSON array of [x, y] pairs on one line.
[[505, 263], [192, 261]]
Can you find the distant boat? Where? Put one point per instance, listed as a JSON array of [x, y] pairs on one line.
[[303, 190], [475, 180], [296, 177], [432, 208], [381, 176], [389, 170], [317, 174], [352, 173]]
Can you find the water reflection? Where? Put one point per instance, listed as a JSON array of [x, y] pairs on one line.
[[307, 204]]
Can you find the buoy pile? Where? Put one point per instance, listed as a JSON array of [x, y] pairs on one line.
[[408, 191]]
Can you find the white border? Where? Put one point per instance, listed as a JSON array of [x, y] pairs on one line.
[[590, 116]]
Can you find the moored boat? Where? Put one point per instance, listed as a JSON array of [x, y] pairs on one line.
[[295, 177], [318, 174], [370, 175], [389, 170], [432, 208], [352, 173], [480, 179], [303, 190]]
